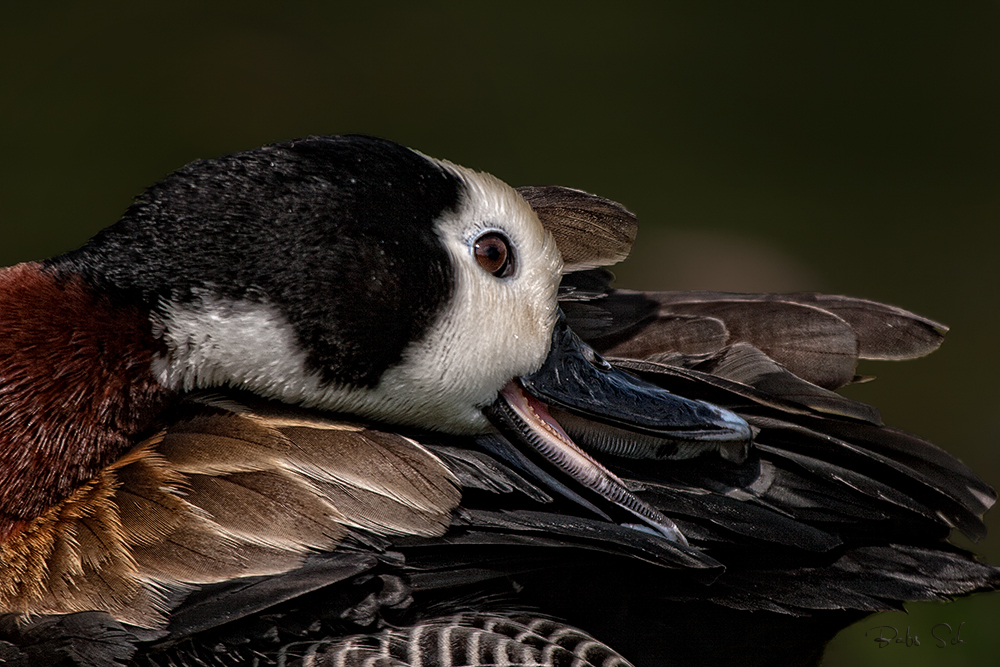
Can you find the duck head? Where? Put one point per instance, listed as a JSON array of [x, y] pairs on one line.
[[347, 274]]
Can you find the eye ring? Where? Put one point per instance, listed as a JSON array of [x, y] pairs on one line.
[[494, 254]]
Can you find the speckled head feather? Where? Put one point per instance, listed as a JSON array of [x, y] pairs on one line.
[[334, 234]]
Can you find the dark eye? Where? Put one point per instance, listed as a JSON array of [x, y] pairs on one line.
[[494, 254]]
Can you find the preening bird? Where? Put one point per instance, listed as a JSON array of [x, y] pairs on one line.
[[332, 401]]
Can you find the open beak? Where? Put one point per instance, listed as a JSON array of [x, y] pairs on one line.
[[576, 391]]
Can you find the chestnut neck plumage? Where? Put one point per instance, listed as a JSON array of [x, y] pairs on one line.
[[76, 387]]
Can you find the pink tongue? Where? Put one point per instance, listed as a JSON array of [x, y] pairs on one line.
[[528, 405]]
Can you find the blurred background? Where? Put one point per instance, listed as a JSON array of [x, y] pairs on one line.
[[852, 148]]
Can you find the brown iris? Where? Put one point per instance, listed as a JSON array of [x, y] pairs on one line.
[[494, 254]]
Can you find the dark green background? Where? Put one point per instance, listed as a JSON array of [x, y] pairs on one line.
[[852, 148]]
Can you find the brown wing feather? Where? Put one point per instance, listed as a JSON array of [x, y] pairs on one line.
[[814, 344], [590, 231], [666, 333], [881, 331], [226, 491], [269, 507]]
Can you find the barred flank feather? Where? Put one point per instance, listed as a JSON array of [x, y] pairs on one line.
[[464, 640]]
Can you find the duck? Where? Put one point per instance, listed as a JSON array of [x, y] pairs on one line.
[[333, 401]]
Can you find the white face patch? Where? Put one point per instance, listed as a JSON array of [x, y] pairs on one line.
[[492, 331]]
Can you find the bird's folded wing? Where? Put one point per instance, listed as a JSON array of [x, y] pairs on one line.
[[222, 492]]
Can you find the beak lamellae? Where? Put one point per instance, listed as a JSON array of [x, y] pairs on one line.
[[610, 411]]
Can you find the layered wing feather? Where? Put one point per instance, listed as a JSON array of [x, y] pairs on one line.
[[225, 491]]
